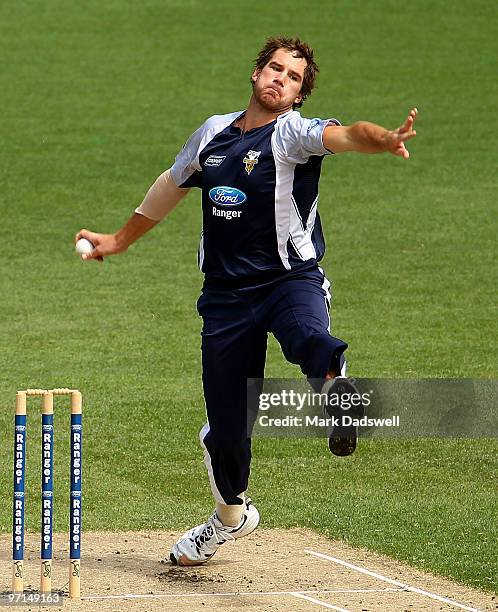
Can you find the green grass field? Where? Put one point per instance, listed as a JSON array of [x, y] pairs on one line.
[[97, 99]]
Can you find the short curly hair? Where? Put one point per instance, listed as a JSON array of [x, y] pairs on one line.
[[301, 49]]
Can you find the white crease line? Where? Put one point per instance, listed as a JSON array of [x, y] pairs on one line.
[[235, 594], [320, 603], [402, 585], [326, 591]]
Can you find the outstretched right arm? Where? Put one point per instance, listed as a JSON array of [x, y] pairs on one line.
[[159, 201]]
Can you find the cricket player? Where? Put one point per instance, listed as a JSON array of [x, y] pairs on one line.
[[258, 170]]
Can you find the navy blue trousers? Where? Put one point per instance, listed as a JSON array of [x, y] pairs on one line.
[[236, 324]]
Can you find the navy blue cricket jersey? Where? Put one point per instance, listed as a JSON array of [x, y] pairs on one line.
[[259, 196]]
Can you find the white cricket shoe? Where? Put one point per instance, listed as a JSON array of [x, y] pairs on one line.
[[200, 543]]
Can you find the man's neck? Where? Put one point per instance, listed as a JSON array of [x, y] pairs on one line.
[[257, 116]]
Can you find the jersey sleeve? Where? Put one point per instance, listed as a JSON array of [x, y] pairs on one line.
[[186, 170], [300, 138]]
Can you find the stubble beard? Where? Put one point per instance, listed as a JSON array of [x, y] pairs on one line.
[[269, 102]]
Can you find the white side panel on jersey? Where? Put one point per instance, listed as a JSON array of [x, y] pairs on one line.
[[284, 181], [300, 236], [187, 161], [293, 142], [310, 225]]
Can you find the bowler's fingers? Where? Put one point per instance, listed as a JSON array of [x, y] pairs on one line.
[[404, 136], [95, 254], [93, 237], [401, 151], [408, 124], [81, 234], [88, 256]]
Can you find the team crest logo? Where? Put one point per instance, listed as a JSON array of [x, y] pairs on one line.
[[250, 160]]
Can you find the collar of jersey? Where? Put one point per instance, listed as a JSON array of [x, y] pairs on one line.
[[242, 113]]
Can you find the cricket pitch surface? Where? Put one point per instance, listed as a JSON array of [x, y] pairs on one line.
[[271, 570]]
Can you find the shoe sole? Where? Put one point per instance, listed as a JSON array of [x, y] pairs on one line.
[[184, 561], [343, 438], [342, 441]]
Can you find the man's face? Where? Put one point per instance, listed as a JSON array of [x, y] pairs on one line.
[[278, 85]]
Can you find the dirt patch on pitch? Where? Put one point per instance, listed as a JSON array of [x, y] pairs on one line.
[[267, 571]]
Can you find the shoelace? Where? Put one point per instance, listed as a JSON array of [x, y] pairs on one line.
[[208, 531]]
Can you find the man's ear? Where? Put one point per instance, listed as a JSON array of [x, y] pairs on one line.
[[255, 75]]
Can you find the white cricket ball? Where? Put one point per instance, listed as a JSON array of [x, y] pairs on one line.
[[84, 246]]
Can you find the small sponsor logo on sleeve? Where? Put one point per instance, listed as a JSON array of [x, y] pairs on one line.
[[215, 160], [313, 124]]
